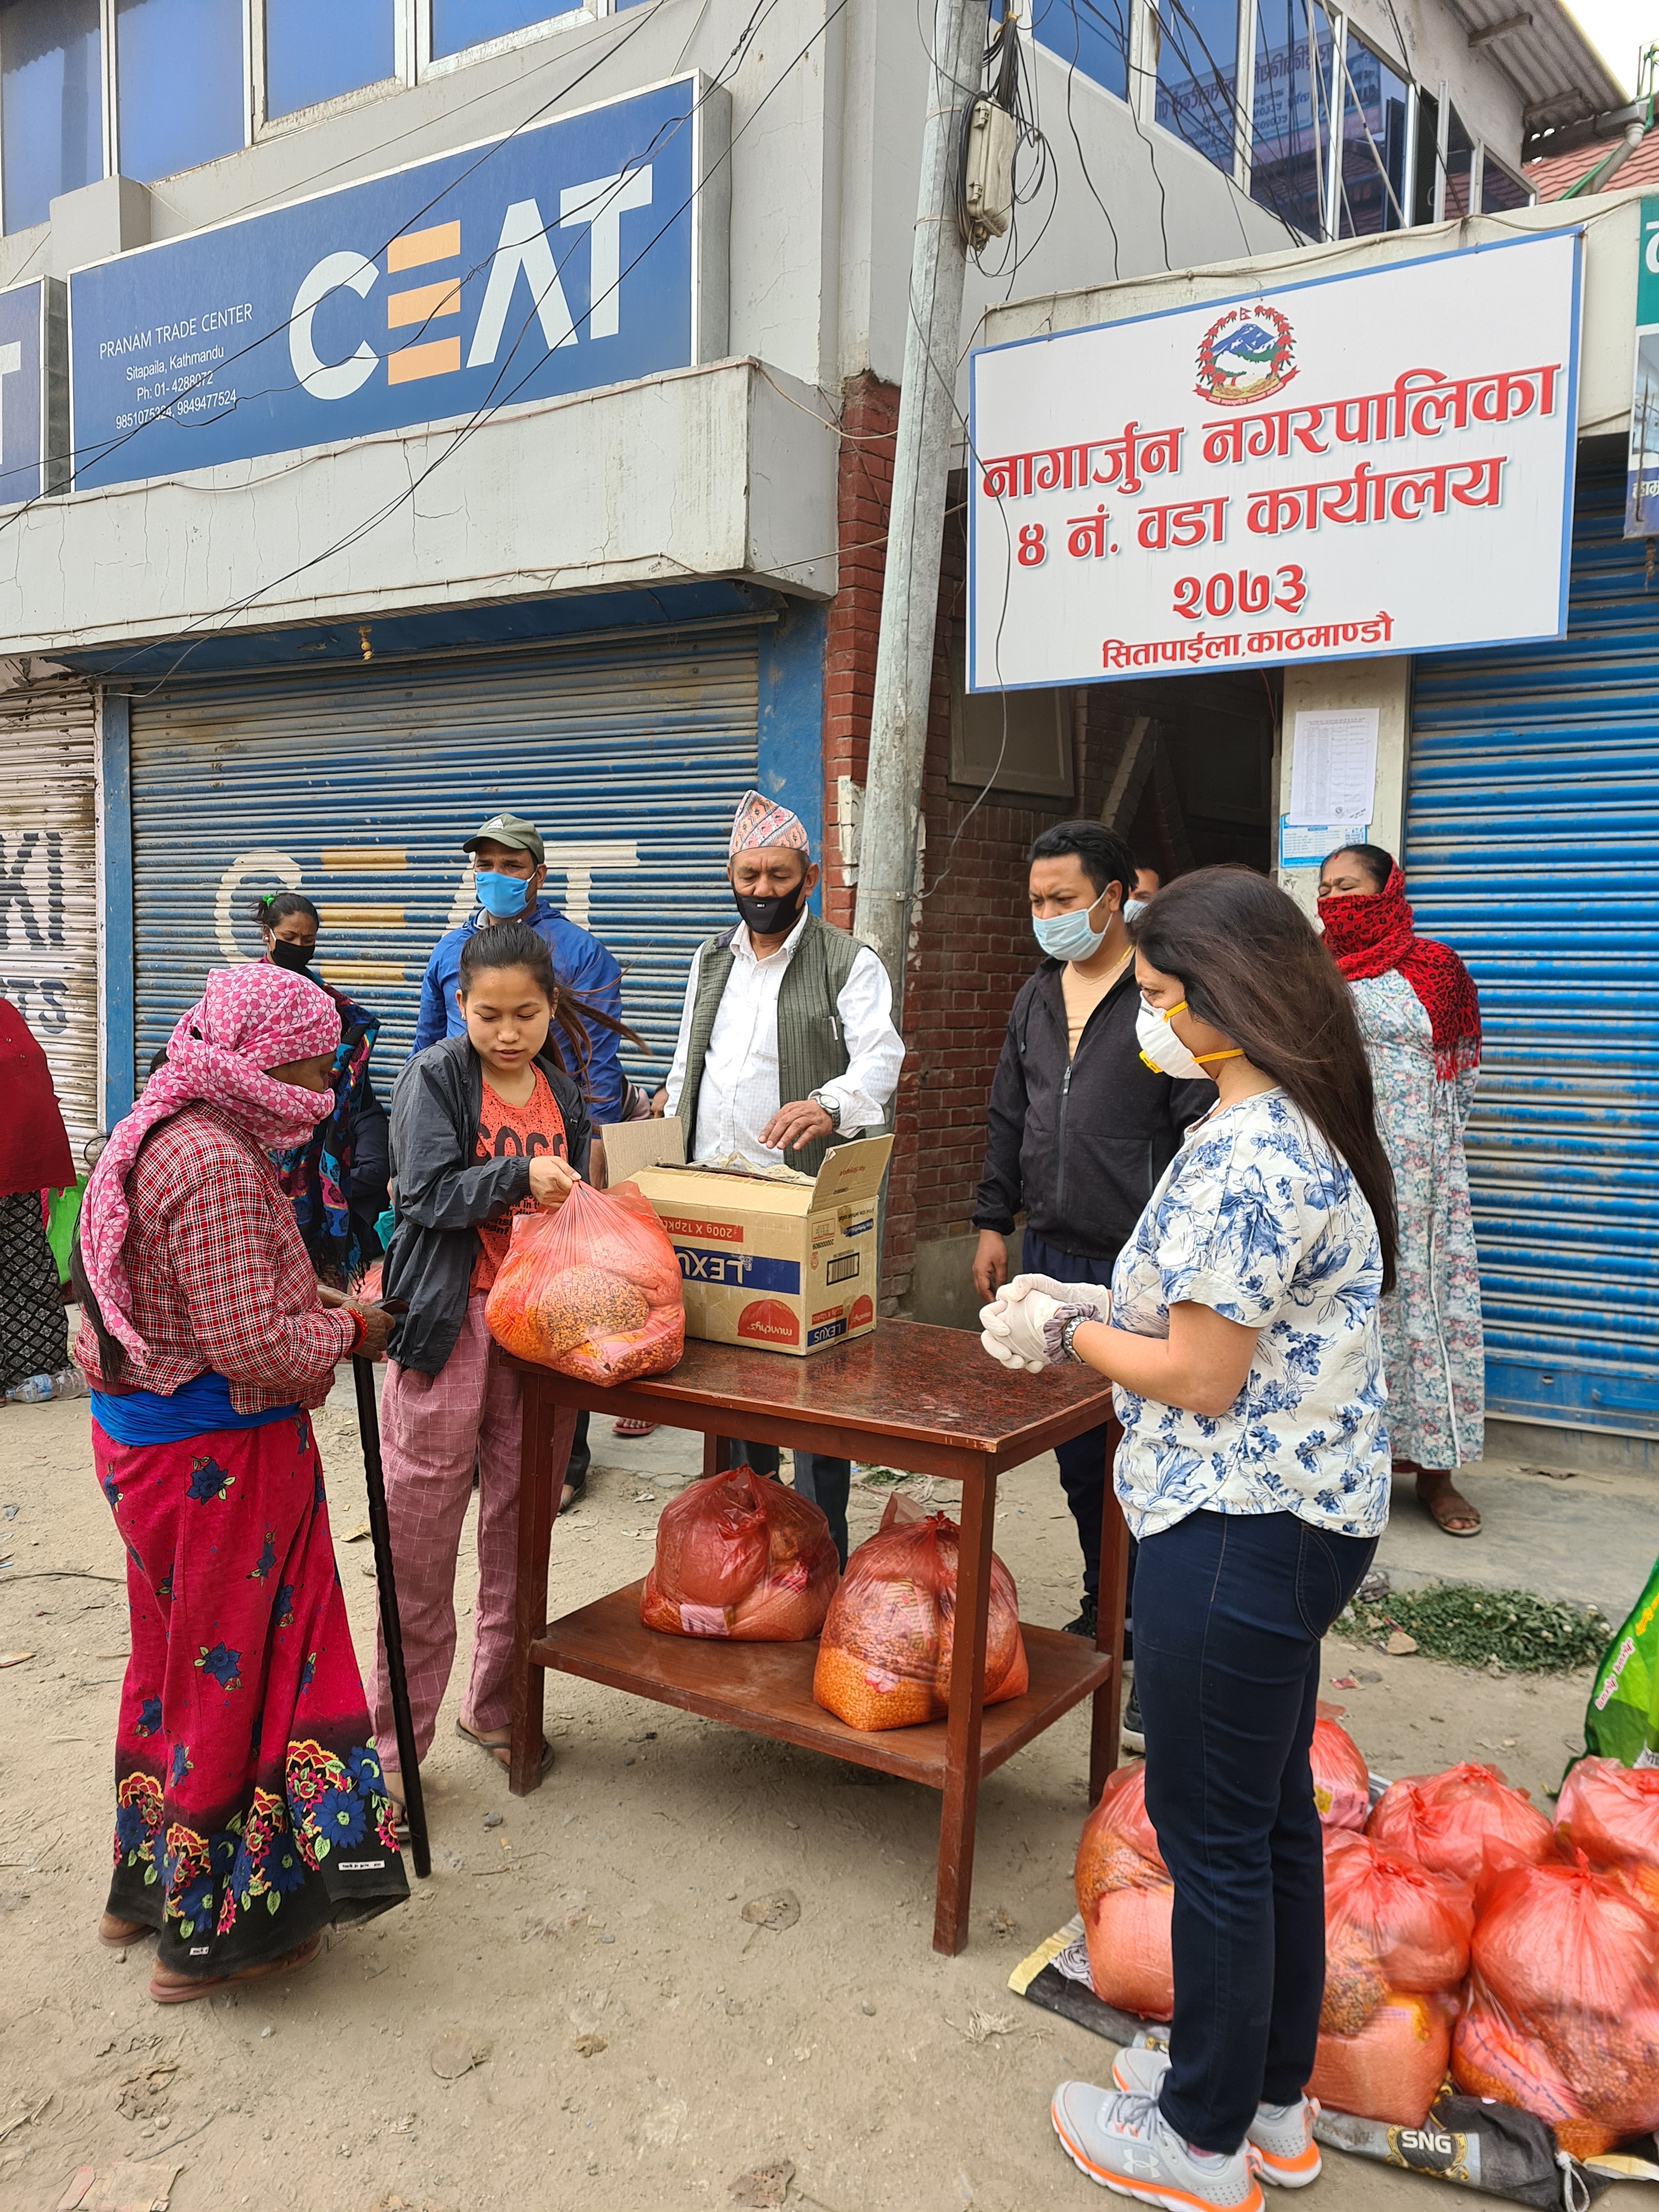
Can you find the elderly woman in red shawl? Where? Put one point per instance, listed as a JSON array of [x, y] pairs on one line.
[[250, 1810], [1421, 1020]]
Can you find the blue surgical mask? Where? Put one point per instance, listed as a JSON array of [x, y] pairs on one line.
[[1133, 908], [1070, 936], [501, 896]]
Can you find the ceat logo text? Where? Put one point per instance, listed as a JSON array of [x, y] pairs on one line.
[[522, 249]]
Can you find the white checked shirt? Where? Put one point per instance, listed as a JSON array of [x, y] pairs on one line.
[[738, 1094]]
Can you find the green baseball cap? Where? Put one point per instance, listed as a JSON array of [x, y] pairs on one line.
[[512, 831]]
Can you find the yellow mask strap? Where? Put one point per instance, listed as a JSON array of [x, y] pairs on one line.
[[1238, 1052]]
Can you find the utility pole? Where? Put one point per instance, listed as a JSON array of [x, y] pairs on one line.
[[921, 461]]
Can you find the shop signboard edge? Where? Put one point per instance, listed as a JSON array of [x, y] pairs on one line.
[[1219, 304]]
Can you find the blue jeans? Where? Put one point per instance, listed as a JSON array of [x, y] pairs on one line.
[[1083, 1469], [1231, 1608], [826, 1481]]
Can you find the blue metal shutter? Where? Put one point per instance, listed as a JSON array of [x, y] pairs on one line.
[[1532, 828], [358, 786]]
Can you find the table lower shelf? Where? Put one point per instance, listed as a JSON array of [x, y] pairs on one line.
[[767, 1687]]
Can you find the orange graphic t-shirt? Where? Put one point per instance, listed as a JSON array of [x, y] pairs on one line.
[[506, 1133]]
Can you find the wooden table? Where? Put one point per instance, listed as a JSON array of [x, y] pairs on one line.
[[924, 1400]]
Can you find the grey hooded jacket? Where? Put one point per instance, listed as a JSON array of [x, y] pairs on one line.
[[444, 1190]]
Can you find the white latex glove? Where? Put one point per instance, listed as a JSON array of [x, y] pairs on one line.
[[1095, 1296], [1011, 1328]]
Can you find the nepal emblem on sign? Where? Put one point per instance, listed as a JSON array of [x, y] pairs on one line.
[[1246, 356]]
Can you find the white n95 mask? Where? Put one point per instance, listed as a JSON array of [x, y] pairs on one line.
[[1164, 1052]]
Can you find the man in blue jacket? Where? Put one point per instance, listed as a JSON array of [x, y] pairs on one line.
[[509, 865]]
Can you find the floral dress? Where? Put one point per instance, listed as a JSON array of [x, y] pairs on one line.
[[1257, 1217], [1432, 1337]]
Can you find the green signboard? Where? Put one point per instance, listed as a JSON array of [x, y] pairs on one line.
[[1641, 494]]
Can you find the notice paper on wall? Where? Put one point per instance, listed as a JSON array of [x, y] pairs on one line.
[[1305, 845], [1333, 768]]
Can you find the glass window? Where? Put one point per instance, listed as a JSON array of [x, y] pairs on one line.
[[1459, 167], [458, 24], [316, 50], [1374, 109], [1291, 133], [51, 106], [1428, 156], [1093, 35], [1198, 74], [1498, 190], [179, 97]]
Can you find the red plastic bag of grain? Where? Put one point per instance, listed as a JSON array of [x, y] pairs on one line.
[[1414, 1925], [741, 1557], [1611, 1814], [1126, 1899], [885, 1657], [1491, 2057], [1447, 1822], [592, 1290], [1565, 1960], [1341, 1784], [1392, 2069]]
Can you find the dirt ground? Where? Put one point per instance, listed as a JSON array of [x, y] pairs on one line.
[[573, 2012]]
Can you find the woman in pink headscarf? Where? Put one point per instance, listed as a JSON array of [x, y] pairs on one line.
[[250, 1807]]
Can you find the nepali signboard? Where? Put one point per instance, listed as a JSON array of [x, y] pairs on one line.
[[585, 250], [1641, 490], [1378, 462]]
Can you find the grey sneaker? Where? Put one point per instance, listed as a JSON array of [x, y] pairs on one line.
[[1282, 2138], [1124, 2142]]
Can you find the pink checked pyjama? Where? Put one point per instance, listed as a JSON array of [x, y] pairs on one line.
[[432, 1428]]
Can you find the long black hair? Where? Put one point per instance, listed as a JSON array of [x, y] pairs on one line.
[[516, 944], [1252, 967]]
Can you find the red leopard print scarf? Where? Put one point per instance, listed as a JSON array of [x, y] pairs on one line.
[[1368, 936]]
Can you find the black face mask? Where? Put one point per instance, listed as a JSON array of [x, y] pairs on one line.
[[772, 917], [296, 958]]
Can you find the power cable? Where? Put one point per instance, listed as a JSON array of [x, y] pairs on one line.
[[491, 405]]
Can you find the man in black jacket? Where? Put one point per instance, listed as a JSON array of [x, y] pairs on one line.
[[1081, 1127]]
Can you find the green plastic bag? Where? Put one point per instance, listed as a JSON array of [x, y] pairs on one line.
[[1621, 1720], [63, 1211]]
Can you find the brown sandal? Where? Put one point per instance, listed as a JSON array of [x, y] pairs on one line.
[[1445, 1506], [169, 1988], [500, 1748], [121, 1935]]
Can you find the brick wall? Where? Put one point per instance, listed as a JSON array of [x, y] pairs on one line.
[[972, 947]]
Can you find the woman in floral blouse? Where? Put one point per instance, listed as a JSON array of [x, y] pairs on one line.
[[1242, 1332], [1420, 1017], [250, 1808]]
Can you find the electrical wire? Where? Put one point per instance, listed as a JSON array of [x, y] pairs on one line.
[[491, 405]]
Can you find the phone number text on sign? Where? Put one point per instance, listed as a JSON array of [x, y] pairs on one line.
[[1427, 501]]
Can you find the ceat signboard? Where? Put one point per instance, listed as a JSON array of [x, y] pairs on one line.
[[1373, 463], [585, 251]]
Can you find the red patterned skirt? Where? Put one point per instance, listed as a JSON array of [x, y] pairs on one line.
[[250, 1809]]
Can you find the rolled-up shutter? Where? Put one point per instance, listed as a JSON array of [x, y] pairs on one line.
[[1532, 838], [357, 787], [49, 883]]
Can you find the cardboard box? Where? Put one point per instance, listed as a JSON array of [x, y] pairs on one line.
[[791, 1266]]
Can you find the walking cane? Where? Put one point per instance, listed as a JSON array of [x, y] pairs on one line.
[[392, 1634]]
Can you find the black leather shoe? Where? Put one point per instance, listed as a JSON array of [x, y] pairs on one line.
[[1087, 1621]]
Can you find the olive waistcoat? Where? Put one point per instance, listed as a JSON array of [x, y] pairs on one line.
[[811, 1042]]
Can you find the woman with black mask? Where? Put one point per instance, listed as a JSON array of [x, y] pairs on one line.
[[336, 1182]]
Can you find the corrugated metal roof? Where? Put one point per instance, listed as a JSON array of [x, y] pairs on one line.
[[1560, 76]]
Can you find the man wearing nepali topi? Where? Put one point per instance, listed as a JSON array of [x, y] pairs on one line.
[[787, 1045]]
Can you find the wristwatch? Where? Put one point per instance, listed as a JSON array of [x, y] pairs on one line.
[[828, 1105], [1068, 1348]]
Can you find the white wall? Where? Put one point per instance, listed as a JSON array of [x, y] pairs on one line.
[[1384, 684]]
